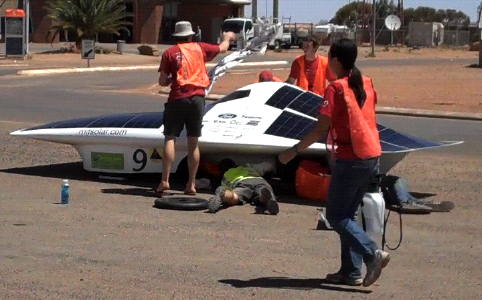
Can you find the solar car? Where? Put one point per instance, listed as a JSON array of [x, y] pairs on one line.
[[252, 124]]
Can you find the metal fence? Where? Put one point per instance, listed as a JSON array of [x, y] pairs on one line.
[[456, 37]]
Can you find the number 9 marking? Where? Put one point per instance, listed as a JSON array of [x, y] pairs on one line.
[[142, 160]]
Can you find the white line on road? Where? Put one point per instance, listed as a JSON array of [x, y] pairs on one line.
[[130, 68]]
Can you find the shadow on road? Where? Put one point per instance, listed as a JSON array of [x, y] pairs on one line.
[[290, 283], [74, 171], [140, 184]]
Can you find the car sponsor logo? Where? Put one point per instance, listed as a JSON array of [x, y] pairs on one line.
[[227, 116], [251, 117], [102, 132]]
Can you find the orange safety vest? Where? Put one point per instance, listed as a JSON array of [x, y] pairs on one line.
[[364, 134], [193, 68], [320, 77]]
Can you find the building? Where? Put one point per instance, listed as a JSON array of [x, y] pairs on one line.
[[153, 20], [425, 34]]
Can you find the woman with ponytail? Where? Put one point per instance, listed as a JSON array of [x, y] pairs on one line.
[[348, 114]]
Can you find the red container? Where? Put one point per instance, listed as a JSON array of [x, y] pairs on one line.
[[312, 180]]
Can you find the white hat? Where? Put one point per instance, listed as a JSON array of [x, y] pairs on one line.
[[183, 28]]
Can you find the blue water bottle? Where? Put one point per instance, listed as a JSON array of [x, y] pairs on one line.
[[65, 192]]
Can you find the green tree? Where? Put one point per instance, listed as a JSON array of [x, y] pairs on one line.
[[87, 18], [449, 17], [347, 14]]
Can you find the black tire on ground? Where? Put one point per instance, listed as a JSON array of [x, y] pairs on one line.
[[181, 203]]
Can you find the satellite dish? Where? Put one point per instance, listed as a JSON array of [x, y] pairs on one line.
[[392, 22]]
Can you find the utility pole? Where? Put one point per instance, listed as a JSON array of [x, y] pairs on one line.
[[254, 10], [401, 15], [480, 41], [26, 6], [275, 11], [374, 32]]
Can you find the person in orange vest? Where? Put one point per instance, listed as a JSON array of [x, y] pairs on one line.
[[267, 75], [310, 71], [348, 114], [183, 68]]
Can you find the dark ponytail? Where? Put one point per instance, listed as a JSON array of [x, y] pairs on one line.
[[346, 51], [355, 81]]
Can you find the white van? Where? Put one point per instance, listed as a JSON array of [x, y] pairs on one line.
[[243, 28]]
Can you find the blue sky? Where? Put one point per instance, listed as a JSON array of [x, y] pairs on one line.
[[315, 10]]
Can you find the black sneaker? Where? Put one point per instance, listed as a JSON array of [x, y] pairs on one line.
[[339, 278], [267, 199]]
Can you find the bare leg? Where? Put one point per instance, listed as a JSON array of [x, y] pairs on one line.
[[167, 160], [192, 162]]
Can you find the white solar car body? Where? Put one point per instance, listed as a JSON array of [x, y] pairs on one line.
[[252, 124]]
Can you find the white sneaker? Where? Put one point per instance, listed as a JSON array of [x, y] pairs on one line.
[[374, 267]]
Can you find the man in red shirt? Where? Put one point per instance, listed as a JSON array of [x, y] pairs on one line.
[[310, 71], [183, 68]]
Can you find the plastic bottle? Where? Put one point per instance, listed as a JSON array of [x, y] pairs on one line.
[[373, 213], [65, 192]]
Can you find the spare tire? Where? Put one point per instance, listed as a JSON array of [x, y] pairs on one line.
[[181, 203]]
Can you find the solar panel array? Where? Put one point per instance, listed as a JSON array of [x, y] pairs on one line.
[[394, 141], [307, 103], [130, 120], [295, 126], [283, 97], [291, 125]]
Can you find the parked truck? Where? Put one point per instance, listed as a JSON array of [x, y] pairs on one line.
[[291, 34], [242, 27]]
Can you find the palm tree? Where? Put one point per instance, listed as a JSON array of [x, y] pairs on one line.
[[87, 18]]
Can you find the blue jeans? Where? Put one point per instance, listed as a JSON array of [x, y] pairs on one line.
[[349, 182]]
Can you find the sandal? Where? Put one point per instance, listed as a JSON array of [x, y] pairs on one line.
[[190, 193], [161, 192]]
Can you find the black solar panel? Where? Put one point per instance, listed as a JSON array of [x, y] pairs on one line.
[[390, 136], [282, 97], [146, 120], [111, 121], [386, 147], [131, 120], [83, 122], [291, 126], [308, 104]]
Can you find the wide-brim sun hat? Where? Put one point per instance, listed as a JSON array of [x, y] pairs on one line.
[[182, 29]]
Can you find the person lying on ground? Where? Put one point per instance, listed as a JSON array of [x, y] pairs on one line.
[[244, 184]]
